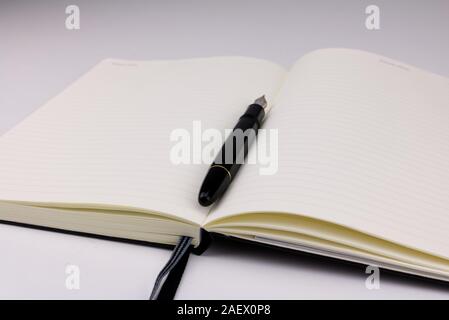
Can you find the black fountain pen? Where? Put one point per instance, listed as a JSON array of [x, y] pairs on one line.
[[218, 178], [232, 154]]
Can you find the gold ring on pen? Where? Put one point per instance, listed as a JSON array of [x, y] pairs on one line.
[[219, 166]]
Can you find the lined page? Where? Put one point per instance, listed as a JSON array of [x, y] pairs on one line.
[[363, 142], [105, 141]]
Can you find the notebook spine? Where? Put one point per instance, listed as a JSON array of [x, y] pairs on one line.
[[205, 241]]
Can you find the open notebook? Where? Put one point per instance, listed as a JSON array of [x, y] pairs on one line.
[[363, 157]]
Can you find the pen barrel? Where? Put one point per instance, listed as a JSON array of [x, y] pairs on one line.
[[235, 149], [231, 156]]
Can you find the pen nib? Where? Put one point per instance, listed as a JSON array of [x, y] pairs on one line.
[[261, 102]]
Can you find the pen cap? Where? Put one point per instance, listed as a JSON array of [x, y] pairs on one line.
[[216, 182]]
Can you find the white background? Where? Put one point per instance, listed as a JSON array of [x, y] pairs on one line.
[[39, 57]]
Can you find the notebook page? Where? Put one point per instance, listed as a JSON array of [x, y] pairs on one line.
[[105, 141], [363, 142]]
